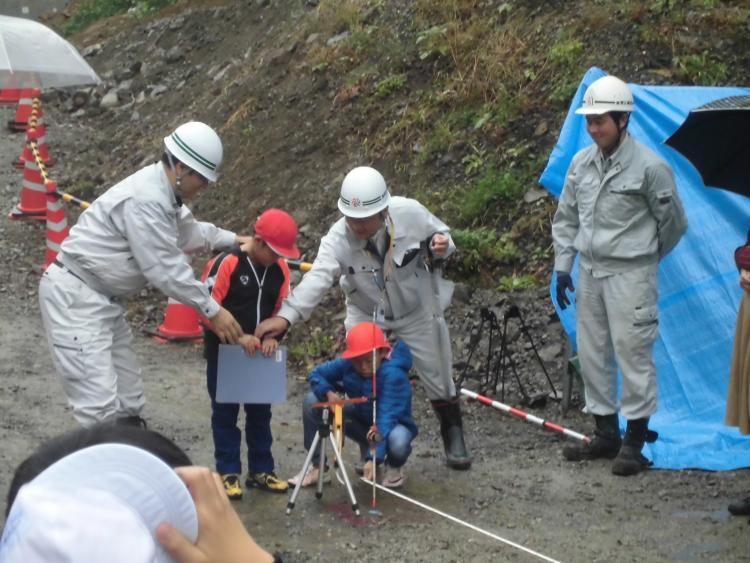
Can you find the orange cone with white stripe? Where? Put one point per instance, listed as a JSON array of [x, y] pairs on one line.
[[39, 133], [10, 95], [57, 224], [181, 323], [33, 204], [26, 104]]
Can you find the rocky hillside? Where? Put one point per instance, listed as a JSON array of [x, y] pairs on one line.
[[457, 102]]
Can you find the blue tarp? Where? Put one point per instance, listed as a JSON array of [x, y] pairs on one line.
[[699, 291]]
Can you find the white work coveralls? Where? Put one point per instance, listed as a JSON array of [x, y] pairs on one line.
[[413, 300], [622, 214], [136, 232]]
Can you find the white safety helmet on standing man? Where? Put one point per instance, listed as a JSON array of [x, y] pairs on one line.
[[198, 147], [363, 193], [606, 94]]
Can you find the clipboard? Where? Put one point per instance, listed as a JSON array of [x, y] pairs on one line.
[[247, 379]]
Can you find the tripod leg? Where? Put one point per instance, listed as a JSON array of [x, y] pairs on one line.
[[321, 467], [352, 498], [308, 461], [538, 358]]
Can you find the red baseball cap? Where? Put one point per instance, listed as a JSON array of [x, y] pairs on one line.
[[363, 339], [278, 230]]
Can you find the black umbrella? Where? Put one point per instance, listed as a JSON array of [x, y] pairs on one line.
[[716, 140]]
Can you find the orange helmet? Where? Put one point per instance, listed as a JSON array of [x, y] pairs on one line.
[[363, 339]]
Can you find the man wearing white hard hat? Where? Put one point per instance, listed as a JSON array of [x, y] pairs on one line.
[[620, 211], [137, 232], [383, 252]]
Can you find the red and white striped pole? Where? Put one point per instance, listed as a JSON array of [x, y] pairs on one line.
[[518, 413]]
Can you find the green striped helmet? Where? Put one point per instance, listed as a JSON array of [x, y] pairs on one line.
[[198, 147]]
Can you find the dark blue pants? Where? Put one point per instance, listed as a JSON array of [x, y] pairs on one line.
[[228, 437]]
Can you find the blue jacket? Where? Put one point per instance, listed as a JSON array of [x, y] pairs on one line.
[[393, 391]]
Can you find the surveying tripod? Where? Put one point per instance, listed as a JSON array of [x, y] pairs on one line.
[[319, 445], [489, 382]]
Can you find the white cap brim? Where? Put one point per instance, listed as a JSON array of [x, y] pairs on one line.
[[135, 479]]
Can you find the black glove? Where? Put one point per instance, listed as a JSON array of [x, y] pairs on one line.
[[564, 281]]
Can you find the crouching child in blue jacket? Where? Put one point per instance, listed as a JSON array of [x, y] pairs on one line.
[[351, 375]]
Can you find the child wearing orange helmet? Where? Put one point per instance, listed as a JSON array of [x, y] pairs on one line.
[[351, 375]]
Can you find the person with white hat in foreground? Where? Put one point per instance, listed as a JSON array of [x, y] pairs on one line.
[[386, 253], [138, 509], [620, 211], [137, 232], [352, 375]]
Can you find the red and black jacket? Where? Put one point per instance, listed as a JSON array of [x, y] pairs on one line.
[[250, 292]]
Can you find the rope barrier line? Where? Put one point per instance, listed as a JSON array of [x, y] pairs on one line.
[[463, 523], [47, 180]]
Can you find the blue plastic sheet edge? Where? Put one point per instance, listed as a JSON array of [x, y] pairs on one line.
[[698, 284]]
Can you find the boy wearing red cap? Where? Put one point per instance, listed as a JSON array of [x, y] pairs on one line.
[[251, 282], [351, 375]]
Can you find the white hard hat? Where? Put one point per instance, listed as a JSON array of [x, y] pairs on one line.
[[363, 193], [606, 94], [198, 147]]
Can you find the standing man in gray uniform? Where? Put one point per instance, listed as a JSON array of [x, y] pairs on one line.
[[136, 232], [620, 210], [382, 251]]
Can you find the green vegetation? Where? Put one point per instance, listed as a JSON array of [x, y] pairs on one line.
[[516, 282], [90, 11], [481, 246], [701, 69], [312, 350], [389, 85]]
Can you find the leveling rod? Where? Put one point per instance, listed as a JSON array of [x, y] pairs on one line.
[[518, 413]]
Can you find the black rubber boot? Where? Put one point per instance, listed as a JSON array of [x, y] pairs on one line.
[[132, 420], [740, 507], [629, 460], [452, 431], [605, 443]]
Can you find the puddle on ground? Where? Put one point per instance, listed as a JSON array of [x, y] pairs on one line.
[[719, 516], [698, 552]]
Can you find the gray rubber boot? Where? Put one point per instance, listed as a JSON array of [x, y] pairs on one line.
[[452, 431], [629, 460], [605, 443]]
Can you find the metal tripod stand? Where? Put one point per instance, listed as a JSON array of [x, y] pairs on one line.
[[319, 445], [489, 381]]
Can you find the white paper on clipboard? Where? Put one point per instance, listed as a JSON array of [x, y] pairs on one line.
[[250, 379]]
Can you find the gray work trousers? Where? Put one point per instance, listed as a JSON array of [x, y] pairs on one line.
[[617, 324], [91, 345]]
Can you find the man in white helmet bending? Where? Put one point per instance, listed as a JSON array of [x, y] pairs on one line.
[[138, 231], [620, 211], [381, 251]]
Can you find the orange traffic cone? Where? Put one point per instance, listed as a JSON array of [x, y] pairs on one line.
[[181, 324], [28, 103], [10, 95], [33, 204], [57, 224], [37, 133]]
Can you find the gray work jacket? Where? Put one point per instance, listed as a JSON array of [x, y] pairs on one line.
[[627, 217], [137, 232], [343, 256]]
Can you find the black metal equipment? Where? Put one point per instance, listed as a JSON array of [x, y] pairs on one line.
[[494, 374]]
